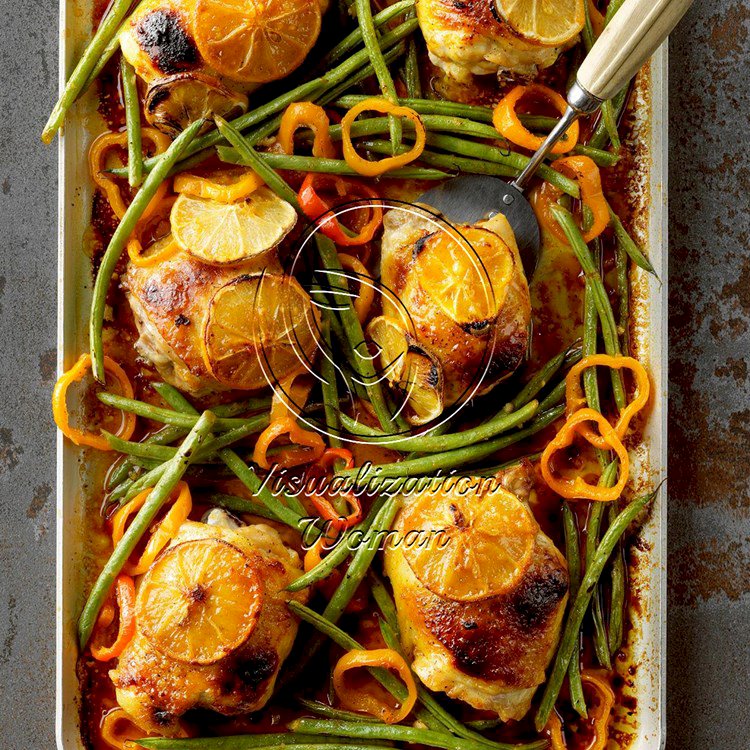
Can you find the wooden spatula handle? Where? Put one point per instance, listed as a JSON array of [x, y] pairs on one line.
[[629, 39]]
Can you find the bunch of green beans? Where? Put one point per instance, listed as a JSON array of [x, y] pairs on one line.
[[173, 471], [580, 605]]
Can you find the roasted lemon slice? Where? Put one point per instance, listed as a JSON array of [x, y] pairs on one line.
[[199, 601], [221, 185], [410, 368], [255, 41], [259, 328], [542, 21], [468, 282], [222, 233], [480, 542]]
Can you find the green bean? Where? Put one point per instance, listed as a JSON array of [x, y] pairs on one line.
[[384, 601], [113, 46], [343, 549], [573, 555], [132, 122], [433, 123], [412, 78], [553, 398], [174, 398], [449, 459], [576, 614], [361, 560], [80, 75], [601, 135], [302, 92], [120, 237], [626, 242], [169, 416], [609, 327], [322, 165], [290, 513], [484, 724], [241, 505], [282, 740], [541, 378], [354, 39], [328, 386], [429, 107], [442, 443], [623, 298], [590, 338], [484, 152], [601, 647], [174, 469], [446, 161], [617, 593], [400, 733], [323, 709], [372, 46]]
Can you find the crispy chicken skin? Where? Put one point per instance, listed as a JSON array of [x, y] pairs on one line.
[[468, 37], [465, 356], [169, 302], [156, 690], [158, 42], [491, 653]]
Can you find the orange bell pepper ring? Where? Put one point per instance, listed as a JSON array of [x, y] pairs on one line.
[[575, 398], [60, 408], [375, 168], [507, 122], [135, 247], [306, 114], [585, 172], [126, 629], [603, 710], [164, 532], [97, 154], [319, 210], [288, 457], [577, 487], [361, 700]]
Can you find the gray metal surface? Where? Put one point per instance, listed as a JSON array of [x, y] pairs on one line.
[[709, 613]]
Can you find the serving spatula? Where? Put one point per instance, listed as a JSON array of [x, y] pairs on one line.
[[631, 37]]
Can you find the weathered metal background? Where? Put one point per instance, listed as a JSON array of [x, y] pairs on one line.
[[709, 492]]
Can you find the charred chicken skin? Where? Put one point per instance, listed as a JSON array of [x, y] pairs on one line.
[[481, 619]]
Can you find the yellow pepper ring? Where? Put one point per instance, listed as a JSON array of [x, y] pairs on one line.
[[165, 531], [375, 168], [575, 398], [359, 700], [603, 710], [60, 410], [306, 114], [578, 488], [111, 190]]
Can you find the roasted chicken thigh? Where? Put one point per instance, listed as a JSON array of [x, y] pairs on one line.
[[479, 616], [470, 38], [203, 638]]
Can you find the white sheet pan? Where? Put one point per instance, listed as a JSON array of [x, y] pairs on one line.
[[77, 478]]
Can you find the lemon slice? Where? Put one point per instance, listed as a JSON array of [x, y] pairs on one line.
[[174, 102], [199, 601], [220, 233], [484, 546], [549, 23], [255, 41], [469, 282], [221, 185], [259, 328], [410, 368]]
